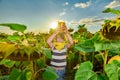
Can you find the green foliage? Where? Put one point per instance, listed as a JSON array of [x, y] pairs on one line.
[[106, 45], [85, 47], [85, 72], [81, 26], [102, 46], [112, 71], [71, 55], [14, 38], [41, 62], [20, 75], [48, 53], [102, 77], [29, 50], [107, 21], [25, 75], [99, 57], [49, 74], [15, 72], [114, 51], [112, 11], [7, 63], [96, 37], [5, 77], [17, 63], [28, 75], [16, 27]]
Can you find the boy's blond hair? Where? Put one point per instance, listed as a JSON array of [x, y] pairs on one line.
[[61, 35]]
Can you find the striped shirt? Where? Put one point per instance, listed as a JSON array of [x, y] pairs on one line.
[[58, 58]]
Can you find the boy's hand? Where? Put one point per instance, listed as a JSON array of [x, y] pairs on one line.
[[64, 28], [57, 30], [66, 32]]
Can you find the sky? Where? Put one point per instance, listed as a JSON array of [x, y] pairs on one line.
[[37, 15]]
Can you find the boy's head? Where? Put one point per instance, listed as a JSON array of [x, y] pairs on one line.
[[62, 25], [60, 37]]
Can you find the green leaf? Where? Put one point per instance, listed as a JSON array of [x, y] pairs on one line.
[[49, 74], [48, 53], [13, 38], [85, 66], [115, 44], [28, 75], [111, 10], [107, 10], [17, 63], [85, 72], [85, 47], [41, 62], [71, 55], [96, 37], [28, 50], [7, 63], [20, 75], [114, 51], [16, 27], [76, 35], [14, 75], [25, 63], [117, 63], [111, 71], [23, 75], [38, 48], [102, 45], [99, 57], [81, 26], [107, 21], [102, 77]]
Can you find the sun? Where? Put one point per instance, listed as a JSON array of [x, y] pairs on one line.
[[53, 25]]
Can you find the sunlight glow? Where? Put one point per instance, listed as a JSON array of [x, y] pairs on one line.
[[53, 25]]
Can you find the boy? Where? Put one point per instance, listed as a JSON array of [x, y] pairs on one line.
[[59, 48]]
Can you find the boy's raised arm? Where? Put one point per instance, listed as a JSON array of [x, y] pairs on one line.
[[71, 42], [50, 39]]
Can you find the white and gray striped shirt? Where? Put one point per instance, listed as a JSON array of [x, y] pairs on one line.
[[58, 58]]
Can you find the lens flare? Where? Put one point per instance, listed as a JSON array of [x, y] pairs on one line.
[[53, 25]]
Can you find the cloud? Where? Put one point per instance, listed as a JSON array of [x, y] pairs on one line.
[[82, 5], [93, 24], [89, 21], [62, 13], [66, 3], [113, 4]]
